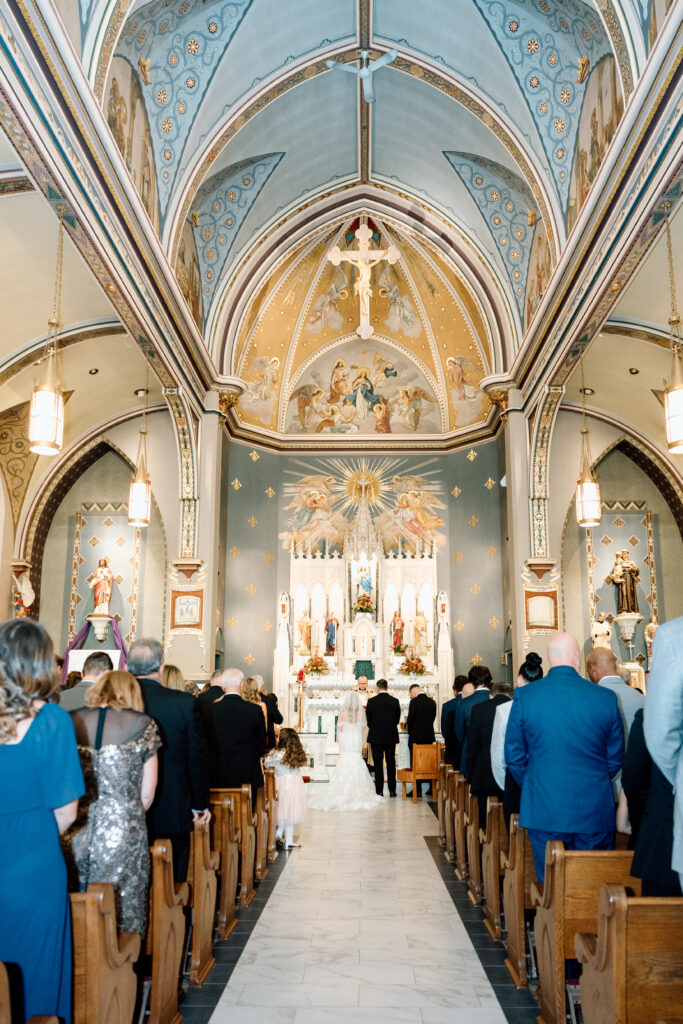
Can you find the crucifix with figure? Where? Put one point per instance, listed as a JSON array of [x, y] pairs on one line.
[[364, 259]]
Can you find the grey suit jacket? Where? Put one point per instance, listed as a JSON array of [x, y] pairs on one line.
[[664, 719], [74, 699]]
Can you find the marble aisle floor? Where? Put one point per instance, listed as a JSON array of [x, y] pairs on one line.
[[361, 927]]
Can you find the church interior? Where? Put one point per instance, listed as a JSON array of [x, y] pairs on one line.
[[296, 392]]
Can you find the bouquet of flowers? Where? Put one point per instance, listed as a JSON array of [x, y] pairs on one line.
[[412, 666], [363, 604], [315, 665]]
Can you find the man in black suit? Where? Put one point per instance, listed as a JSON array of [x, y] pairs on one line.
[[478, 770], [274, 713], [420, 722], [213, 692], [182, 793], [482, 681], [236, 736], [452, 749], [383, 714]]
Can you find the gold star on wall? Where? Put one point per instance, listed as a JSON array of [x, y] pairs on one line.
[[475, 589], [477, 659], [234, 551], [457, 557], [473, 521], [254, 456], [269, 558], [456, 492], [232, 622], [267, 625], [493, 622], [270, 492], [458, 625], [236, 484], [492, 551], [490, 483], [471, 455], [250, 659], [251, 589], [253, 521]]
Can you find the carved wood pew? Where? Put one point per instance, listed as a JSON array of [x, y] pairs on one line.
[[459, 827], [271, 797], [245, 820], [519, 873], [203, 885], [226, 844], [262, 832], [475, 887], [494, 840], [165, 935], [633, 967], [104, 982], [6, 1004], [449, 813], [441, 797], [569, 904]]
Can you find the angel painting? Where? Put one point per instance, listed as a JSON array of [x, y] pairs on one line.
[[466, 398], [401, 314], [262, 388], [311, 405], [312, 516], [325, 309], [410, 405]]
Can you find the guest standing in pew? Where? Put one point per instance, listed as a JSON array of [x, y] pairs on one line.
[[236, 735], [479, 773], [182, 793], [601, 668], [664, 721], [564, 744], [274, 716], [452, 751], [482, 681], [213, 690], [251, 693], [117, 744], [383, 714], [94, 666], [173, 679], [40, 783], [420, 721], [650, 801], [529, 672]]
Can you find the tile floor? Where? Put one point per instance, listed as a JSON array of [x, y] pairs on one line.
[[364, 923]]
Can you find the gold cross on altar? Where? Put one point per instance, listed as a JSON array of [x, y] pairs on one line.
[[364, 258]]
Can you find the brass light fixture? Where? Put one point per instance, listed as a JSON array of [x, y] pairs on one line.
[[140, 493], [588, 505], [673, 396], [46, 415]]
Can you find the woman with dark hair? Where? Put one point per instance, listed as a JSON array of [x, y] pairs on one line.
[[40, 783], [530, 671]]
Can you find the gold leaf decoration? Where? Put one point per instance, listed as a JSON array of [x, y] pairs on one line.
[[458, 625], [475, 588], [270, 493], [493, 551], [250, 659], [472, 521], [232, 622], [234, 551], [490, 483], [269, 558], [477, 659], [251, 589], [456, 492], [236, 484], [267, 625], [254, 456], [471, 455], [493, 622], [253, 521]]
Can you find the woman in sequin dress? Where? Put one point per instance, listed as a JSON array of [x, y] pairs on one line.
[[117, 744]]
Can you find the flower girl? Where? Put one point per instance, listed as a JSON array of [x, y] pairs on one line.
[[288, 760]]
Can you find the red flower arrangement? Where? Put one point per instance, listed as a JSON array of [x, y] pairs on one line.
[[315, 665], [363, 604], [412, 666]]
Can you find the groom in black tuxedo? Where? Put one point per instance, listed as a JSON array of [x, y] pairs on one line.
[[383, 714]]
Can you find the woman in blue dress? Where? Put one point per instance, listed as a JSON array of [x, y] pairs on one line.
[[40, 783]]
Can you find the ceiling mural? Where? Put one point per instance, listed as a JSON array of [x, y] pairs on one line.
[[657, 13], [127, 119]]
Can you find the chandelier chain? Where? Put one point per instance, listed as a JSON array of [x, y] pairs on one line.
[[675, 319], [57, 297]]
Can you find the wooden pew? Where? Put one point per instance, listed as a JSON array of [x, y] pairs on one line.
[[203, 885], [226, 844], [461, 791], [449, 812], [262, 831], [494, 840], [165, 936], [569, 904], [475, 887], [104, 982], [441, 797], [271, 797], [245, 821], [633, 967], [425, 768], [6, 1005], [519, 873]]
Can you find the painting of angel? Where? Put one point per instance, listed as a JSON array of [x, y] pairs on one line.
[[312, 518], [325, 309], [538, 275], [467, 400], [188, 274], [261, 393], [401, 316], [410, 405]]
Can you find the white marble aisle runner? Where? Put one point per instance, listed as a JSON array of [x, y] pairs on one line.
[[360, 927]]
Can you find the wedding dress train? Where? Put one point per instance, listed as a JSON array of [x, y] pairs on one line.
[[351, 787]]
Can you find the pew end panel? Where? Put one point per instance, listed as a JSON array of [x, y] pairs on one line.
[[519, 874], [6, 1003], [166, 935], [474, 882], [226, 843], [262, 833], [272, 798], [203, 887], [449, 811], [246, 826], [494, 846], [460, 827]]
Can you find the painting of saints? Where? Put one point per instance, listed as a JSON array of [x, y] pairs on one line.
[[187, 274], [538, 275], [325, 309], [339, 381], [127, 119], [410, 405], [363, 393], [383, 416], [117, 116], [658, 12], [381, 367]]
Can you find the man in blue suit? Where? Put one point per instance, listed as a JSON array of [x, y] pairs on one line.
[[482, 681], [564, 744], [451, 746]]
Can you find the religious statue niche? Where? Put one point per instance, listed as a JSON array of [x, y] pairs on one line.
[[397, 632], [331, 627], [304, 627], [101, 585], [364, 586], [625, 577]]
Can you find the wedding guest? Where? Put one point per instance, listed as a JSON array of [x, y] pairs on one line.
[[420, 721], [95, 665], [71, 680], [236, 736], [118, 746], [40, 783], [274, 715], [529, 672], [288, 760], [173, 678], [479, 773], [482, 681], [213, 689], [601, 668], [452, 749], [251, 692], [182, 793]]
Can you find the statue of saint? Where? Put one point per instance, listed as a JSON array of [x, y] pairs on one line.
[[305, 633], [601, 632], [625, 576], [397, 627], [331, 627], [101, 586], [364, 582], [421, 632]]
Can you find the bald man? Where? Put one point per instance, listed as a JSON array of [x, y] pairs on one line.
[[601, 668], [564, 744]]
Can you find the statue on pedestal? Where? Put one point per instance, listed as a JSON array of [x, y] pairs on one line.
[[601, 632], [101, 585], [625, 576], [397, 627], [421, 633], [331, 627], [305, 633]]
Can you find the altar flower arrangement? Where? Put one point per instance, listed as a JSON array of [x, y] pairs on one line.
[[412, 666], [315, 665], [363, 604]]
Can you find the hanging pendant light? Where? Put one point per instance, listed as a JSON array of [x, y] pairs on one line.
[[588, 504], [140, 493], [673, 396], [46, 414]]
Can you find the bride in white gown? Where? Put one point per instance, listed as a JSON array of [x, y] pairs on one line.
[[351, 787]]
